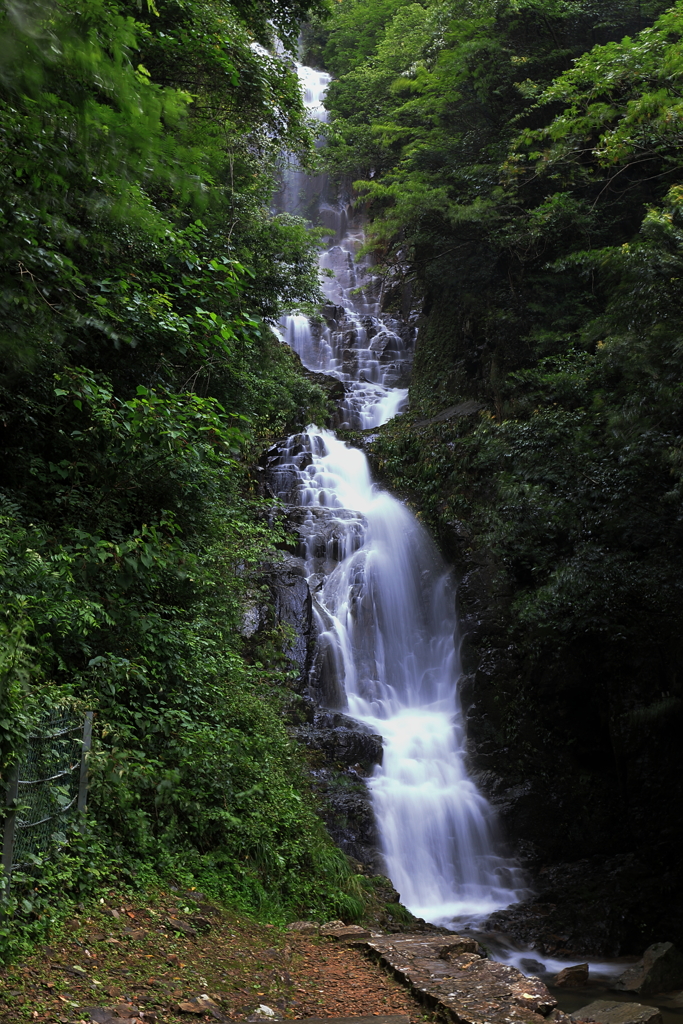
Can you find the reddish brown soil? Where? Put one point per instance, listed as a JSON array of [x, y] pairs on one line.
[[334, 981], [142, 958]]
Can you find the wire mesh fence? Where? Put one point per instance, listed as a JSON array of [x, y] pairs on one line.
[[48, 785]]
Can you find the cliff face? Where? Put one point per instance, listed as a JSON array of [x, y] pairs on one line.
[[582, 760], [340, 752]]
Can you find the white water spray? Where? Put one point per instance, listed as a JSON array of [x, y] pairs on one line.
[[385, 610]]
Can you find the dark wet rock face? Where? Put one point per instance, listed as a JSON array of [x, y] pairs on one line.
[[292, 605], [342, 755], [589, 908], [347, 812], [341, 752], [585, 786], [341, 740]]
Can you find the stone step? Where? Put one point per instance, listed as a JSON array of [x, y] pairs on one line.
[[394, 1018]]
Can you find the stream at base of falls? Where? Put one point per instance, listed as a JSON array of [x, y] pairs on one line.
[[383, 600]]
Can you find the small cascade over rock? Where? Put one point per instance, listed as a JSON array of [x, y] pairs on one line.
[[371, 355], [383, 604], [370, 352]]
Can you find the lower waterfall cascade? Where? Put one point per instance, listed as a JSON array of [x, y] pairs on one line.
[[383, 601], [385, 615]]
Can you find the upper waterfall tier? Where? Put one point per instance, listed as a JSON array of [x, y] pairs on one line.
[[371, 354], [369, 351]]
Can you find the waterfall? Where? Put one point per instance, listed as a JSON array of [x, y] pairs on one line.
[[383, 600], [369, 353]]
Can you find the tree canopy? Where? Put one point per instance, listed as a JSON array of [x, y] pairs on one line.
[[141, 273]]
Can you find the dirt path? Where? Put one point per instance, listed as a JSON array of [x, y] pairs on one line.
[[145, 958]]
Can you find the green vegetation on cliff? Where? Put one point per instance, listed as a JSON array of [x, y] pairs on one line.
[[140, 271], [522, 169]]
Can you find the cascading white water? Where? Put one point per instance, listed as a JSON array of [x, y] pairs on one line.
[[386, 616], [385, 611]]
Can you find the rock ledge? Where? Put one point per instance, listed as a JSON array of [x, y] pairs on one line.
[[450, 976]]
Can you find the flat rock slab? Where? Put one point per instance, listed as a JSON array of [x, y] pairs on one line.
[[346, 933], [606, 1011], [448, 973], [396, 1018]]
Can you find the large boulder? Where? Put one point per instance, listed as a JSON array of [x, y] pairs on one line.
[[660, 969]]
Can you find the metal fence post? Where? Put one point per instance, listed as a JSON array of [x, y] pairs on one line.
[[10, 823], [83, 778]]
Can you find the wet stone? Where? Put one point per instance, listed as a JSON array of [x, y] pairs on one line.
[[572, 977], [291, 597], [341, 739], [660, 969], [532, 966], [605, 1011]]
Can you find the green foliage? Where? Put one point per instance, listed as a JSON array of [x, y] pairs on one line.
[[141, 272], [108, 252], [42, 604], [69, 870], [427, 121], [355, 31], [529, 203]]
